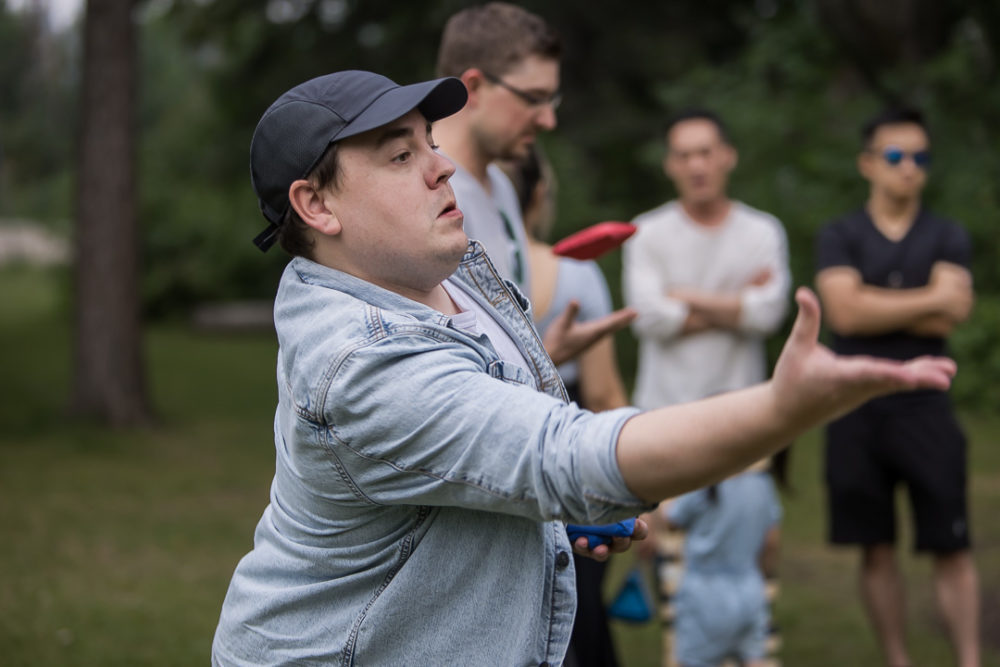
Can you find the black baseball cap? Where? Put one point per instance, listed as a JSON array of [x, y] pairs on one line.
[[296, 130]]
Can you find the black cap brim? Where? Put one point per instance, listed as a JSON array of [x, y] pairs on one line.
[[436, 99]]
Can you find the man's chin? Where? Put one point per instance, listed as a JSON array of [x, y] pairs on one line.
[[519, 151]]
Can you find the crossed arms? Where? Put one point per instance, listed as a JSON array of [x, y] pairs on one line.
[[855, 309], [668, 451]]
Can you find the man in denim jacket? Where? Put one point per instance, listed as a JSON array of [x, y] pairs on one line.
[[426, 456]]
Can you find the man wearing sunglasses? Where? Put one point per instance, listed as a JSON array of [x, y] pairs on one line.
[[894, 280], [508, 59]]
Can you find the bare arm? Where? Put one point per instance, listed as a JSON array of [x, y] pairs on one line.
[[601, 385], [717, 310], [770, 552], [665, 452], [856, 309], [932, 326]]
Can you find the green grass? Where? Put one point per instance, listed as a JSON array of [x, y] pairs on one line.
[[117, 547]]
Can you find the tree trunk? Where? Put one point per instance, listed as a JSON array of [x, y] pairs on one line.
[[109, 382]]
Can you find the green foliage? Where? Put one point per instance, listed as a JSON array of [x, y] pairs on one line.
[[197, 210], [37, 118], [789, 85], [794, 108], [976, 348]]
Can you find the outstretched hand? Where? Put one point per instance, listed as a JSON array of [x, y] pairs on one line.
[[566, 338], [812, 384]]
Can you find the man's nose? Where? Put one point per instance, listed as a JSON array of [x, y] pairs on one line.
[[546, 119], [441, 170]]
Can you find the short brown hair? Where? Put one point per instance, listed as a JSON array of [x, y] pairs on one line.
[[494, 37], [293, 233]]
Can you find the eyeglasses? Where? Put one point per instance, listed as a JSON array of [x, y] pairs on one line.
[[894, 156], [531, 99]]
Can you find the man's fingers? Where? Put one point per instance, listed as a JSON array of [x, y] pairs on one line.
[[567, 338], [568, 316], [620, 544], [619, 319], [884, 375], [932, 372], [599, 553], [641, 530], [805, 331]]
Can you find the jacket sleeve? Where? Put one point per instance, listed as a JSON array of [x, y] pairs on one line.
[[417, 420]]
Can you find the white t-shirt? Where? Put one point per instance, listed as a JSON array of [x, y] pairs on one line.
[[671, 250], [476, 320]]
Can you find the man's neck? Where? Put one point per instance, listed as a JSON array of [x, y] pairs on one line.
[[457, 142], [433, 296], [892, 216], [708, 213]]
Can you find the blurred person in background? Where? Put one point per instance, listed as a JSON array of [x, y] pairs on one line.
[[895, 281], [709, 278], [730, 547], [508, 59]]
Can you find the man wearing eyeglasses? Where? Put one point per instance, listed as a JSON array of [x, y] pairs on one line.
[[894, 280], [508, 59]]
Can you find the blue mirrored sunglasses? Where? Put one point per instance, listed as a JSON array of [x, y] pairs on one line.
[[894, 156]]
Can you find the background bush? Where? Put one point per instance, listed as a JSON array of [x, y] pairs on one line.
[[793, 78]]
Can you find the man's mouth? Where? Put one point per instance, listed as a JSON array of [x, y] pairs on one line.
[[449, 209]]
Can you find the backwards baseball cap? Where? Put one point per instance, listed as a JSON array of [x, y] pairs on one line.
[[296, 130]]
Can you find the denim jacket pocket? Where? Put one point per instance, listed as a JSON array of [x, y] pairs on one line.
[[508, 372]]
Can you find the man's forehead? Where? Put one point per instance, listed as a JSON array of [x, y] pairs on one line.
[[413, 123], [900, 132], [693, 133], [533, 69]]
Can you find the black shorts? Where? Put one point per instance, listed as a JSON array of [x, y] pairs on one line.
[[911, 438]]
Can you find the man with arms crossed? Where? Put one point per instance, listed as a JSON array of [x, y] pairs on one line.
[[422, 474], [894, 279], [508, 59], [709, 278], [708, 275]]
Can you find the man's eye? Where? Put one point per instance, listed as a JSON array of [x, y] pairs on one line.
[[402, 157]]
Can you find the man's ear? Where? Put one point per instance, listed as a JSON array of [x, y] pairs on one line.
[[732, 157], [668, 167], [864, 163], [473, 79], [313, 207]]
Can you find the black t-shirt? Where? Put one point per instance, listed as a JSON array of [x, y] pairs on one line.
[[853, 240]]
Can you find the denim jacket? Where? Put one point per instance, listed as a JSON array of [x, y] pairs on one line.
[[420, 485]]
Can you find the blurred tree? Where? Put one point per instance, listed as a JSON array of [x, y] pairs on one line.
[[108, 382]]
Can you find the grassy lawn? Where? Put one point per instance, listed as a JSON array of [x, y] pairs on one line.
[[117, 547]]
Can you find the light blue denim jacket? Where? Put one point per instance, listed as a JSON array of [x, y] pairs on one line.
[[420, 485]]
